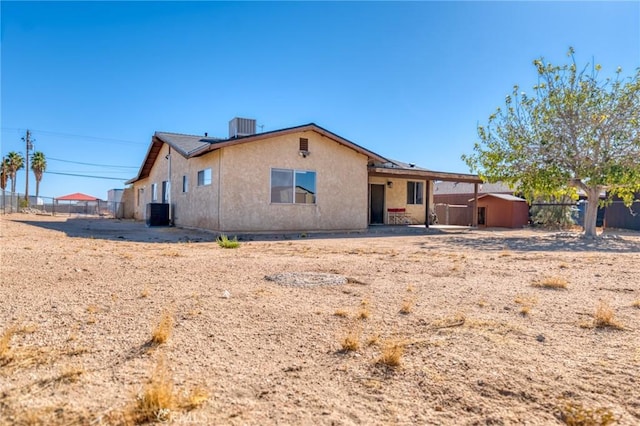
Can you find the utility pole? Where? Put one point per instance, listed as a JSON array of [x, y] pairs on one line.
[[27, 139]]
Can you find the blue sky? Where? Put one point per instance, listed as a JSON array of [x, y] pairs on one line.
[[408, 80]]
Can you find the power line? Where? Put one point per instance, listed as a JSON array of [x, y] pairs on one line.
[[91, 164], [84, 171], [71, 135], [88, 176]]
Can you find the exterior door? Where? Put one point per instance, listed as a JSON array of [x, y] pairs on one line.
[[377, 204], [482, 216]]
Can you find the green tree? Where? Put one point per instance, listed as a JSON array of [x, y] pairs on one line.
[[574, 132], [38, 165], [15, 162]]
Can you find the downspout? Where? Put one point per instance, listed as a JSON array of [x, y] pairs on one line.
[[219, 186], [169, 186]]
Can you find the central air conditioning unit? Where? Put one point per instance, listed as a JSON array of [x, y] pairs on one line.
[[239, 127]]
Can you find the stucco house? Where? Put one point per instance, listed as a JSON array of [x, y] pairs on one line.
[[302, 178]]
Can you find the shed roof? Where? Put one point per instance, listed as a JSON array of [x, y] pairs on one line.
[[77, 196], [502, 197], [451, 188]]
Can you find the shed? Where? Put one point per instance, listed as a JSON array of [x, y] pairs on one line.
[[502, 210]]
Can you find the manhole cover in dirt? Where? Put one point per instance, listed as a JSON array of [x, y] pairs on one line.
[[306, 279]]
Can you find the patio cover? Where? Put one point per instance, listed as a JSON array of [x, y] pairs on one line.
[[78, 196]]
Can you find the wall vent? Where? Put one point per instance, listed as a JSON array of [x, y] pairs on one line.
[[239, 127]]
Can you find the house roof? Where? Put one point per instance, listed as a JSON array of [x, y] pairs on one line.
[[502, 197], [452, 188], [399, 169], [77, 196], [194, 146]]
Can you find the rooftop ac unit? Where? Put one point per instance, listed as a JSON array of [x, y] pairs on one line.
[[241, 127]]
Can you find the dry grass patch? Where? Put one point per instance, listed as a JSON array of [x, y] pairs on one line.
[[342, 313], [455, 321], [351, 340], [554, 283], [373, 339], [195, 398], [5, 344], [407, 306], [163, 328], [392, 352], [71, 373], [604, 317], [527, 303], [145, 292], [363, 313], [636, 303], [92, 309], [575, 414], [157, 400]]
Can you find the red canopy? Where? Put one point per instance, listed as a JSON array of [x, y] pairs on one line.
[[78, 196]]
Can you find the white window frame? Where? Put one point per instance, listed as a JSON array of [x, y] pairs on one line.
[[204, 177], [154, 192], [418, 193]]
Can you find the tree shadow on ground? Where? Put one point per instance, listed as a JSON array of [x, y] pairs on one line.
[[561, 241]]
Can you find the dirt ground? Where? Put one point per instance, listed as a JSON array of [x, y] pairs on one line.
[[485, 341]]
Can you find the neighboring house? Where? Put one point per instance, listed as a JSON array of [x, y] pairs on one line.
[[303, 178], [451, 200], [502, 210]]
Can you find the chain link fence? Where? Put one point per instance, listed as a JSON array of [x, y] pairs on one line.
[[11, 202]]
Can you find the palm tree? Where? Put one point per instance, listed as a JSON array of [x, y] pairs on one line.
[[38, 165], [4, 171], [15, 162]]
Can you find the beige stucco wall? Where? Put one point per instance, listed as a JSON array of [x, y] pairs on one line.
[[341, 186], [128, 201], [198, 207], [396, 197], [239, 197]]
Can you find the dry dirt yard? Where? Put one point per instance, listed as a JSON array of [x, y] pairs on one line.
[[480, 332]]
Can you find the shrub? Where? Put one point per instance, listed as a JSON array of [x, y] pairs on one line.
[[224, 242]]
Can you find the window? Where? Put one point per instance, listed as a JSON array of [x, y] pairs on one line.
[[293, 186], [204, 177], [154, 192], [166, 187], [185, 184], [414, 192]]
